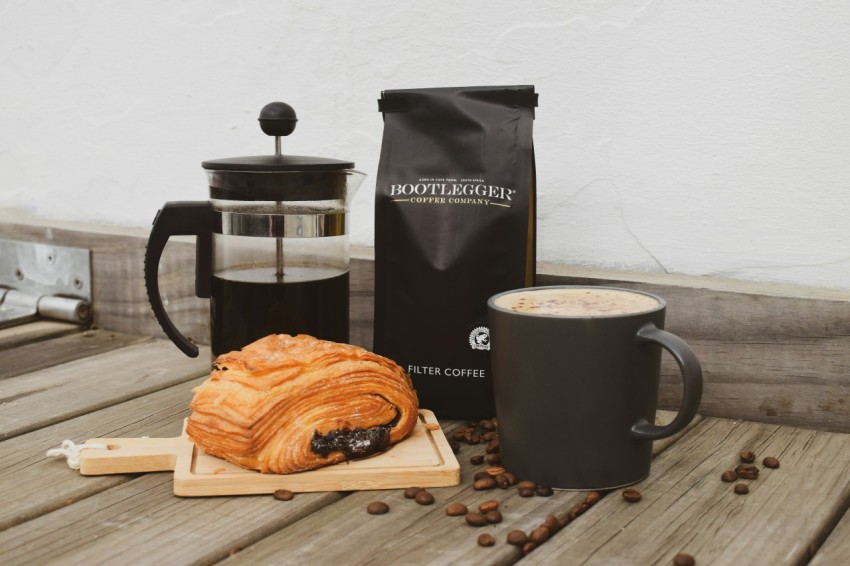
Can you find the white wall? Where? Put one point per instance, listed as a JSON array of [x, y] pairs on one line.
[[706, 138]]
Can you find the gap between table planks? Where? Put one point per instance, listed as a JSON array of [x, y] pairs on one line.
[[23, 458], [836, 548], [48, 396], [65, 348], [687, 508], [27, 333]]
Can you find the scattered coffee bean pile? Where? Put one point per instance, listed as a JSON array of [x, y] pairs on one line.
[[479, 432], [746, 470], [551, 525], [495, 476], [485, 432]]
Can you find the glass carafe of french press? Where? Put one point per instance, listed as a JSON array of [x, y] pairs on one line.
[[272, 244]]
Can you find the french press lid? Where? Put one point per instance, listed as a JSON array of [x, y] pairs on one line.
[[301, 177]]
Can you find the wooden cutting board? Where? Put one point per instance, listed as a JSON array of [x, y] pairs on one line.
[[423, 459]]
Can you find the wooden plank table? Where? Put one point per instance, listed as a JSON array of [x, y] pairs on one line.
[[63, 383]]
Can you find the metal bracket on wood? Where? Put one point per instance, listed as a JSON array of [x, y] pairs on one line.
[[44, 281]]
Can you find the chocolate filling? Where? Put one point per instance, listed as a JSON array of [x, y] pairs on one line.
[[353, 442]]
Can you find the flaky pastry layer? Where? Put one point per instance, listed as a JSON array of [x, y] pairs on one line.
[[264, 407]]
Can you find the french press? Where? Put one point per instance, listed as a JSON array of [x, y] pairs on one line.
[[272, 250]]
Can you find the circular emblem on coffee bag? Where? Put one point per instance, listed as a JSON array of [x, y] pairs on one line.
[[479, 338]]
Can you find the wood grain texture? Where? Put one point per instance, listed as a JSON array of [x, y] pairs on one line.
[[31, 332], [158, 414], [39, 355], [143, 522], [424, 458], [51, 395], [411, 533], [836, 548], [687, 508]]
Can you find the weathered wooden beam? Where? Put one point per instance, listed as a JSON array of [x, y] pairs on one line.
[[772, 353]]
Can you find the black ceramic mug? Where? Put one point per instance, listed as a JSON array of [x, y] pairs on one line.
[[575, 378]]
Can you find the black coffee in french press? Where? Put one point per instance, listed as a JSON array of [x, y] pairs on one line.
[[272, 244]]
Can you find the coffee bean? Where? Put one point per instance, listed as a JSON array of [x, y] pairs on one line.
[[484, 483], [481, 476], [593, 497], [683, 559], [526, 492], [527, 548], [517, 537], [631, 495], [488, 436], [729, 476], [492, 447], [494, 459], [424, 498], [526, 483], [283, 495], [411, 492], [456, 510], [476, 519], [488, 425], [747, 472], [454, 445], [486, 539], [488, 506], [495, 470], [770, 462], [502, 481], [493, 517], [512, 479], [476, 460], [543, 491], [747, 457], [551, 522], [540, 535], [741, 489], [377, 508], [563, 520], [577, 510]]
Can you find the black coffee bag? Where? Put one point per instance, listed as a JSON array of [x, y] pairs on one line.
[[454, 224]]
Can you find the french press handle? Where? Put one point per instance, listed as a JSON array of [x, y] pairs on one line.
[[180, 218]]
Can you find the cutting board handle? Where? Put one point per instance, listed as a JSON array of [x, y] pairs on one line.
[[132, 455]]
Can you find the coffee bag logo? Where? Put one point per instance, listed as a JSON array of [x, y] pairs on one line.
[[479, 338], [442, 190]]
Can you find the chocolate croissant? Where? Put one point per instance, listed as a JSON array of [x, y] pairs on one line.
[[286, 404]]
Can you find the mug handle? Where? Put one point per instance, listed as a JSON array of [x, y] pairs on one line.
[[691, 377], [180, 218]]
